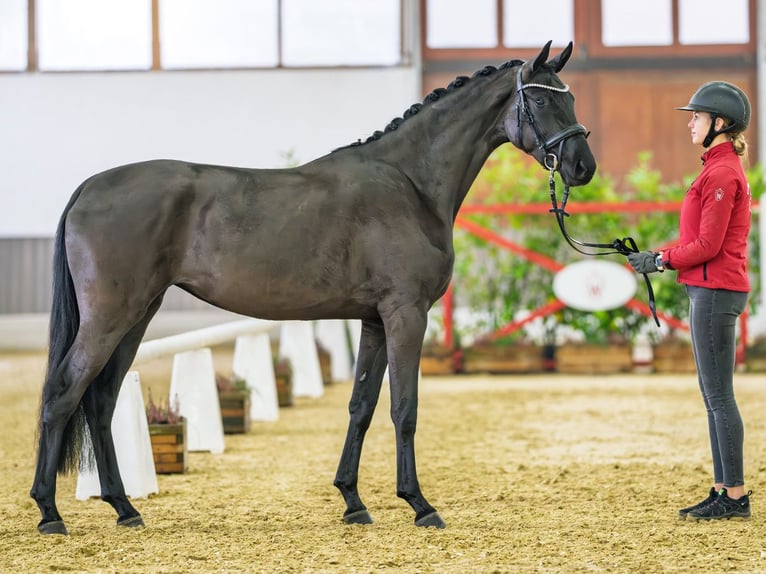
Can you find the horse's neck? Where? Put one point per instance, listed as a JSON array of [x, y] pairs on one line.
[[442, 149]]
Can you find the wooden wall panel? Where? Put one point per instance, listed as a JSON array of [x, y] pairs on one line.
[[636, 112]]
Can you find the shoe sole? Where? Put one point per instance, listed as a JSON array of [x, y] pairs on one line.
[[709, 518], [682, 514]]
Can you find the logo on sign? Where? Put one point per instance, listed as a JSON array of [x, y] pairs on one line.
[[594, 285]]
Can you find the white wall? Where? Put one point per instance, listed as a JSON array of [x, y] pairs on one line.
[[58, 129]]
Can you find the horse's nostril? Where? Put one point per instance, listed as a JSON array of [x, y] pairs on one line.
[[583, 171]]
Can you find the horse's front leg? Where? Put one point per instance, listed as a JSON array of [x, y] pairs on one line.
[[405, 330], [370, 368]]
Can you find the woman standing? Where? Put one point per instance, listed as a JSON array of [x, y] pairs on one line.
[[711, 261]]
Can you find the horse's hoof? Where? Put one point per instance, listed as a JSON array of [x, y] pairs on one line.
[[131, 522], [358, 517], [431, 520], [52, 527]]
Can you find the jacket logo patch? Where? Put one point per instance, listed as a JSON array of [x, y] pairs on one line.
[[718, 194]]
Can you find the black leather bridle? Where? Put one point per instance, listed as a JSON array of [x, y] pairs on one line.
[[623, 246]]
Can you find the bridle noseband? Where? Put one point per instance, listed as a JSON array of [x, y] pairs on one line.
[[623, 246]]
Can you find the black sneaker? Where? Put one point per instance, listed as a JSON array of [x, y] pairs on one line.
[[724, 507], [709, 500]]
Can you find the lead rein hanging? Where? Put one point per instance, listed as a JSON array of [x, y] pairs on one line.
[[623, 246]]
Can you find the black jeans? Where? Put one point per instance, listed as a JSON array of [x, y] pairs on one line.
[[712, 318]]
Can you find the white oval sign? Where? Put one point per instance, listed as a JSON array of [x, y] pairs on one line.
[[594, 285]]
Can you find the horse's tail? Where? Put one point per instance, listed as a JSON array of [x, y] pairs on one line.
[[63, 327]]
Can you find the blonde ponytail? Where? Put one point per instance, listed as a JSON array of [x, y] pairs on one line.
[[740, 146]]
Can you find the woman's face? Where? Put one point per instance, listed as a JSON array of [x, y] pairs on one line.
[[699, 125]]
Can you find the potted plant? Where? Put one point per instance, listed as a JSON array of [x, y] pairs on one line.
[[167, 433], [283, 373], [234, 398]]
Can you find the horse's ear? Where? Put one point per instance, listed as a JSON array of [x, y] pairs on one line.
[[541, 57], [559, 61]]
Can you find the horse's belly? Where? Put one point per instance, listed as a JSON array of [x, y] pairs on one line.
[[281, 299]]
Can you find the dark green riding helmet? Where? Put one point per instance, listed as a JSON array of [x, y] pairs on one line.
[[721, 99]]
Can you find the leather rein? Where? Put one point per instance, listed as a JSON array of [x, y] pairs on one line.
[[623, 246]]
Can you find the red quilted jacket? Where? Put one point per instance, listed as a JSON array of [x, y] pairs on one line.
[[714, 225]]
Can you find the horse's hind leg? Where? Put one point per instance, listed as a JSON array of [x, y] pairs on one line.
[[370, 368], [99, 403], [62, 423], [56, 415]]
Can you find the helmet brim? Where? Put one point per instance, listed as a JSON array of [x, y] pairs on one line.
[[696, 108]]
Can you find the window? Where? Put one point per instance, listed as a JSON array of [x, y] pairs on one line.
[[94, 34], [524, 28], [459, 24], [218, 33], [13, 35], [707, 22], [340, 33], [645, 23]]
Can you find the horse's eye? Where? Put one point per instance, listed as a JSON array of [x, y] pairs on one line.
[[539, 102]]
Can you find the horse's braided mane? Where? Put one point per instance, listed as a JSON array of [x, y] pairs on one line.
[[434, 96]]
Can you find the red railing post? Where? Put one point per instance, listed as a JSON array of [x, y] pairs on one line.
[[447, 306]]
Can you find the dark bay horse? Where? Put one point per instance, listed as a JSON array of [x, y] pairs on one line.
[[364, 232]]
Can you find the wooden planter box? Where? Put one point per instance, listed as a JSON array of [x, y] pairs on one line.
[[437, 361], [673, 357], [325, 364], [235, 411], [284, 390], [503, 359], [594, 359], [169, 447]]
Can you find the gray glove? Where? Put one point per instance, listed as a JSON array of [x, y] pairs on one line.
[[643, 262]]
